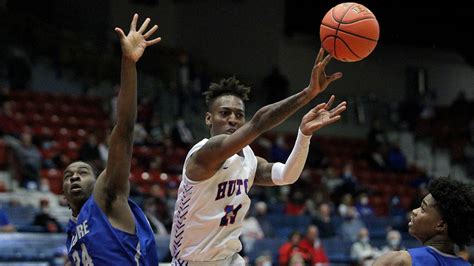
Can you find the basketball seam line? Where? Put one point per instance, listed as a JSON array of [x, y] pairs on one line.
[[342, 18], [348, 47], [342, 40], [348, 32], [355, 20]]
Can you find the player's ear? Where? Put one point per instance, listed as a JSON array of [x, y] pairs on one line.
[[442, 226], [208, 119]]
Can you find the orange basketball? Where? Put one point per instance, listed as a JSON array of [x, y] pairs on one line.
[[349, 32]]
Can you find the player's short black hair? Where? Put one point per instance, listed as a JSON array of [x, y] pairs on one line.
[[226, 86], [455, 202]]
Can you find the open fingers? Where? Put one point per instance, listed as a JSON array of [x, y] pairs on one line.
[[319, 57], [151, 42], [334, 77], [318, 107], [120, 32], [133, 25], [316, 124], [338, 109], [150, 32], [330, 102], [326, 60], [144, 25]]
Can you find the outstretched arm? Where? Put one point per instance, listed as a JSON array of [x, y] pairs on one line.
[[113, 181], [394, 258], [207, 160], [270, 174]]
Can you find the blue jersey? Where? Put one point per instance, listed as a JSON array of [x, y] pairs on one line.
[[431, 256], [91, 240]]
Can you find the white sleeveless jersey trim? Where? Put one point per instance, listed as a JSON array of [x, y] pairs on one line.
[[208, 216]]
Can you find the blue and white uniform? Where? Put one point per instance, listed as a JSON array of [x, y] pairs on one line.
[[433, 257], [92, 240]]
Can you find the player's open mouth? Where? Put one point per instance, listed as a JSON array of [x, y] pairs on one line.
[[231, 130], [410, 223]]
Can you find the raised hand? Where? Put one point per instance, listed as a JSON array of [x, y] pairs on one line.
[[319, 80], [134, 44], [321, 116]]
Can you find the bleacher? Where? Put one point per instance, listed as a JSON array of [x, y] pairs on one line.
[[66, 120], [46, 249]]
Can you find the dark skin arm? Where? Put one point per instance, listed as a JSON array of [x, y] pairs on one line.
[[205, 162], [394, 258], [112, 187]]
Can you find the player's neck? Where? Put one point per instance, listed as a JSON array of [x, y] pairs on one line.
[[441, 243], [75, 212]]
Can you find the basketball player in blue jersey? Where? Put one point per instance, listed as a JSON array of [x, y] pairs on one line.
[[107, 228], [444, 219], [218, 172]]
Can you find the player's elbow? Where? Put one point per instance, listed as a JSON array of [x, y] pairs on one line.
[[125, 130], [260, 120]]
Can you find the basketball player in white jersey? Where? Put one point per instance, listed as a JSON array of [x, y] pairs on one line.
[[218, 172]]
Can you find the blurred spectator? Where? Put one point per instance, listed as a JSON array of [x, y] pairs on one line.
[[181, 134], [279, 151], [363, 207], [351, 225], [150, 208], [104, 150], [263, 260], [398, 214], [113, 105], [331, 180], [160, 208], [46, 220], [28, 157], [89, 152], [8, 123], [394, 242], [251, 231], [295, 204], [377, 135], [157, 131], [316, 157], [262, 218], [202, 79], [291, 253], [347, 202], [324, 221], [140, 134], [396, 159], [275, 86], [5, 225], [349, 180], [362, 251], [312, 243], [376, 157], [428, 111], [409, 111], [184, 77], [421, 180]]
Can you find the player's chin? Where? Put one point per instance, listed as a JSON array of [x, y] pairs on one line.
[[412, 231]]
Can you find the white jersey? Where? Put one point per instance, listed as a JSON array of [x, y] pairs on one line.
[[208, 215]]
